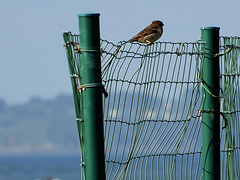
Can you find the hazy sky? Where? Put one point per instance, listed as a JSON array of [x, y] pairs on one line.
[[32, 57]]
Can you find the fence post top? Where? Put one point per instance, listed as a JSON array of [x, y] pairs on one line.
[[88, 14], [209, 28]]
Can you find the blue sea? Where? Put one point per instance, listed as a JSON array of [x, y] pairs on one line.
[[40, 167]]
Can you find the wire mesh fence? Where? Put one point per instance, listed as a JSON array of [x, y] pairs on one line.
[[152, 110], [152, 115], [230, 107]]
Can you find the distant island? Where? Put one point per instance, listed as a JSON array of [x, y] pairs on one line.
[[49, 126], [39, 126]]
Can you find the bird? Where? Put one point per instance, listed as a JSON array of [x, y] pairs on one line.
[[150, 34]]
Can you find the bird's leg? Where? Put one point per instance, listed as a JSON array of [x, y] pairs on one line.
[[149, 42]]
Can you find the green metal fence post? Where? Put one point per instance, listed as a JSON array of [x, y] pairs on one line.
[[210, 107], [92, 113]]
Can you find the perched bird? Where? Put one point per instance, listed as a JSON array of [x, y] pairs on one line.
[[150, 34]]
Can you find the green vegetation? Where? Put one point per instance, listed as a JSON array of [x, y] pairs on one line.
[[39, 126]]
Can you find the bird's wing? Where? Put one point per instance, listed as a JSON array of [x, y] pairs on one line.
[[148, 30]]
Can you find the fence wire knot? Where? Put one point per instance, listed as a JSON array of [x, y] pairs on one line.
[[228, 50], [183, 49], [74, 75], [93, 85], [204, 85]]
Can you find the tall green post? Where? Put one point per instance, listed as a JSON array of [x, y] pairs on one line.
[[210, 106], [91, 83]]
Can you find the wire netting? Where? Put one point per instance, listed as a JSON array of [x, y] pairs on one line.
[[152, 115], [230, 107], [152, 110]]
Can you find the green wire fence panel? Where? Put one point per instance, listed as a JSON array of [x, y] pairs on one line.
[[230, 107], [152, 118], [152, 114], [71, 47]]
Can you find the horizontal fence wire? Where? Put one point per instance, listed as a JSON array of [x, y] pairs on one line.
[[230, 107], [152, 115]]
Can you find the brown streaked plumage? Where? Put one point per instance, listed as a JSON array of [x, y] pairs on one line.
[[150, 34]]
